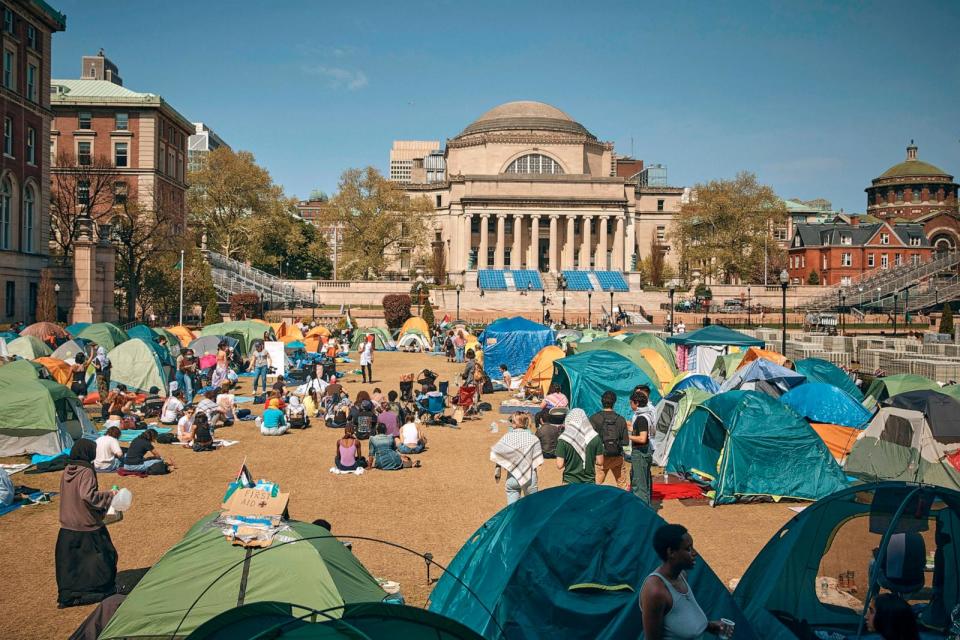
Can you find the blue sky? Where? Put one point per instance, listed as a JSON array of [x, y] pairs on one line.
[[816, 98]]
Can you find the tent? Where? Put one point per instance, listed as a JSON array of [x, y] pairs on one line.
[[565, 336], [69, 349], [672, 411], [207, 345], [147, 334], [28, 348], [416, 323], [38, 416], [204, 575], [566, 562], [628, 351], [665, 372], [883, 388], [59, 370], [820, 402], [791, 589], [714, 335], [540, 371], [688, 379], [838, 438], [749, 444], [913, 437], [47, 332], [413, 340], [245, 332], [318, 330], [183, 334], [24, 370], [382, 340], [952, 390], [725, 366], [765, 376], [646, 340], [756, 353], [589, 335], [361, 620], [105, 334], [818, 370], [584, 377], [513, 342], [76, 328], [137, 364]]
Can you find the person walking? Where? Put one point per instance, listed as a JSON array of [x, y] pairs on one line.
[[612, 429], [459, 346], [186, 369], [102, 366], [641, 456], [366, 359], [579, 449], [518, 451], [260, 362]]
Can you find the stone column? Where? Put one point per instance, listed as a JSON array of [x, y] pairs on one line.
[[618, 242], [501, 241], [569, 247], [601, 261], [586, 250], [554, 244], [516, 253], [466, 239], [484, 241], [84, 273], [533, 249], [631, 243]]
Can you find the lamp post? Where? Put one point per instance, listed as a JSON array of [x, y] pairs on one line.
[[895, 294], [562, 285], [313, 304], [672, 310], [458, 302], [611, 306], [589, 297], [56, 302], [749, 319], [843, 311], [860, 299], [543, 307], [784, 281]]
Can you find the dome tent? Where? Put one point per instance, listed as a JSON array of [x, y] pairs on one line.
[[819, 402], [28, 348], [648, 340], [245, 332], [688, 379], [883, 388], [105, 334], [137, 364], [628, 351], [817, 370], [382, 341], [566, 562], [513, 342], [69, 349], [672, 412], [48, 332], [415, 324], [584, 377], [765, 376], [58, 369], [147, 334], [540, 371]]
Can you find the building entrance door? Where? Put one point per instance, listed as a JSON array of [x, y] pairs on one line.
[[543, 255]]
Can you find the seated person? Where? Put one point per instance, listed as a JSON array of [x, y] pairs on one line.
[[120, 401], [507, 380], [548, 432], [141, 456], [172, 408], [554, 398], [109, 454], [892, 617], [272, 422], [202, 433], [383, 452], [412, 439], [365, 420], [390, 418], [348, 450], [279, 386], [208, 405], [185, 425], [296, 414], [152, 404], [226, 401], [312, 403], [272, 395], [339, 420], [377, 398]]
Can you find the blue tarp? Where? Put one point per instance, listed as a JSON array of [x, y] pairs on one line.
[[821, 402], [766, 376], [513, 342], [818, 370]]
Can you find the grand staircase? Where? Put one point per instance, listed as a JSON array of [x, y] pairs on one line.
[[231, 276]]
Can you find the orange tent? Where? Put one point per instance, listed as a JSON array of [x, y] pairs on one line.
[[540, 371], [839, 440], [47, 332], [59, 369], [318, 330], [184, 335], [756, 353]]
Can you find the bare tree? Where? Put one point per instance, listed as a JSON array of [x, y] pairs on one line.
[[438, 262], [85, 186], [46, 298]]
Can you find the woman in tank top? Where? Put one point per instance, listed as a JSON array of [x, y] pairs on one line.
[[348, 450]]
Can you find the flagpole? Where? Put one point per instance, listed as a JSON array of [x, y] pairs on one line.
[[181, 287]]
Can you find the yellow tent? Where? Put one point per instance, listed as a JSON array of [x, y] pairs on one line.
[[59, 369], [756, 353], [417, 323], [540, 371], [318, 331], [660, 366], [839, 440], [184, 335]]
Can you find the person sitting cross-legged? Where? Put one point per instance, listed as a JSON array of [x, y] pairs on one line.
[[273, 422], [412, 439]]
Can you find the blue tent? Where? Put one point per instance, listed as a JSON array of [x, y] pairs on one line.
[[75, 328], [715, 335], [584, 377], [818, 370], [696, 381], [513, 342], [568, 562], [766, 376], [821, 402]]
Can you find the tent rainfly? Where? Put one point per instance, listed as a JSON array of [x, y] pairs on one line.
[[513, 342]]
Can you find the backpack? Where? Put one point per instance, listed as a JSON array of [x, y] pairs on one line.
[[610, 434], [365, 425]]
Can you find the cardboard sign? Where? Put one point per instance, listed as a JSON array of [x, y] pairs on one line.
[[278, 358], [255, 503]]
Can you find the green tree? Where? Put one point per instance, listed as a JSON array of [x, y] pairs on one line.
[[946, 320], [211, 313], [281, 238], [725, 231], [427, 313], [813, 278]]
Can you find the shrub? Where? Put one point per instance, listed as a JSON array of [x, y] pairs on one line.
[[211, 313], [396, 309], [813, 278], [427, 313], [244, 305], [946, 320]]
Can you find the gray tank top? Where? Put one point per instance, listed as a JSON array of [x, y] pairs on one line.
[[685, 620]]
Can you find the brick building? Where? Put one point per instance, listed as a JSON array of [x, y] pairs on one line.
[[839, 251], [25, 33]]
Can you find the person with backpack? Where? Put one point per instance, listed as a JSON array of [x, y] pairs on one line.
[[612, 429], [641, 456], [296, 414], [365, 420]]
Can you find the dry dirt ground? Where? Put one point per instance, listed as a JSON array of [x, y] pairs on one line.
[[431, 509]]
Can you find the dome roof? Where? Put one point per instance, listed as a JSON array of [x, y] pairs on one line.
[[913, 167], [525, 115]]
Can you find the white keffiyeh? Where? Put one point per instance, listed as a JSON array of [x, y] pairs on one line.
[[519, 453], [578, 432]]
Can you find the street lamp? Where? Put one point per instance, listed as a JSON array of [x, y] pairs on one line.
[[589, 297], [543, 307], [784, 281], [749, 318], [458, 302], [895, 294], [672, 309], [56, 302], [611, 306], [562, 285]]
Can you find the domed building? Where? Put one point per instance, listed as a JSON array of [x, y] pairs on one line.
[[918, 191], [528, 187]]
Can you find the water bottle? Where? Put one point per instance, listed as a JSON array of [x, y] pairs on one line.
[[122, 500], [494, 427]]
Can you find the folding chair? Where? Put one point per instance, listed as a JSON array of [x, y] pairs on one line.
[[466, 402], [431, 407]]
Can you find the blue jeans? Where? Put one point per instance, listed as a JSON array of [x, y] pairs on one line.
[[514, 489], [142, 467], [259, 372], [186, 384], [459, 353], [405, 449], [115, 464]]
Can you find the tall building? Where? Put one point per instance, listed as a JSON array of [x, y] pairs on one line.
[[137, 137], [25, 33], [404, 152], [202, 142]]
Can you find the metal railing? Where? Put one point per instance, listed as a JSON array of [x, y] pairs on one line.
[[231, 276]]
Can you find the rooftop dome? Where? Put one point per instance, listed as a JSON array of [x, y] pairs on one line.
[[525, 115], [912, 167]]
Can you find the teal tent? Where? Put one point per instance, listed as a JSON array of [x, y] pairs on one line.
[[584, 377], [715, 335], [136, 363], [75, 328], [149, 336], [749, 444], [824, 403], [567, 562], [105, 334], [791, 590], [818, 370], [245, 332]]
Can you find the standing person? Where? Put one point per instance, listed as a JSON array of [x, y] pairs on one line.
[[518, 451], [102, 365], [220, 371], [78, 376], [641, 456], [186, 368], [459, 345], [85, 558], [670, 610], [548, 432], [448, 346], [366, 359], [470, 369], [612, 429], [579, 449], [260, 363]]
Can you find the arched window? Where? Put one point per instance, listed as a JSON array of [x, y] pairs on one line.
[[534, 163], [6, 202], [29, 219]]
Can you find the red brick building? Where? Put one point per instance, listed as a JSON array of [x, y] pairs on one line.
[[837, 252]]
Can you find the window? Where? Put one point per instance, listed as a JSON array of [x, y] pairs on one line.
[[846, 260], [93, 71], [32, 39], [439, 200], [661, 234], [507, 255], [122, 122], [120, 154], [8, 136], [915, 259], [6, 202], [898, 194], [507, 225], [83, 192], [29, 219], [915, 194], [9, 303], [31, 145], [824, 261], [870, 260], [803, 262], [884, 261], [915, 241], [119, 192], [884, 238], [32, 82], [897, 259], [84, 120], [534, 163], [845, 239], [659, 205], [7, 24], [83, 153], [9, 63], [491, 256], [474, 224]]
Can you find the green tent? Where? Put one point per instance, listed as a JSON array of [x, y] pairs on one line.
[[28, 348], [650, 341], [136, 363], [883, 388], [204, 575], [952, 390], [715, 335], [749, 444], [672, 412], [382, 340], [630, 352], [149, 336], [724, 366], [360, 620], [23, 370], [589, 335], [246, 332], [817, 370], [37, 416], [584, 377], [105, 334]]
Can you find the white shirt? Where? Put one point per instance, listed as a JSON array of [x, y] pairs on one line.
[[171, 410], [366, 354], [184, 426], [108, 449], [409, 435]]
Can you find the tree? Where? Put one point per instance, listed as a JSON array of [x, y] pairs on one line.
[[726, 230], [396, 309], [427, 313], [438, 262], [813, 278], [211, 313], [654, 265], [946, 320], [46, 298], [76, 190], [244, 305], [379, 222], [279, 237]]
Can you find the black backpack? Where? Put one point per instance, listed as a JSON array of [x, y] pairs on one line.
[[365, 426], [610, 434]]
